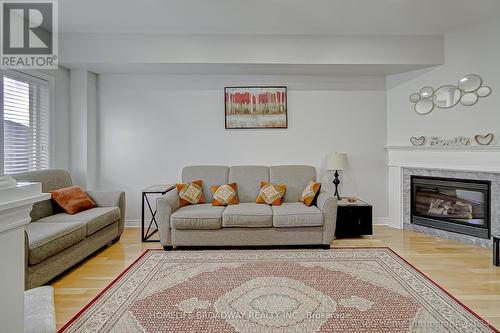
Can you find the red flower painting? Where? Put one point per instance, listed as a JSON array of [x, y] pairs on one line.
[[255, 107]]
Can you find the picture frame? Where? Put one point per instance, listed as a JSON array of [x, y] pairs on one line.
[[255, 107]]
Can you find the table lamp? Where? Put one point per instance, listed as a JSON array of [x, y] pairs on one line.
[[337, 162]]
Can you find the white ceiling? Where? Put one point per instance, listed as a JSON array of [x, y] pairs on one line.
[[402, 17]]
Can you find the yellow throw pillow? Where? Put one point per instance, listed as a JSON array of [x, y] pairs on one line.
[[271, 194], [225, 195], [190, 193], [309, 193]]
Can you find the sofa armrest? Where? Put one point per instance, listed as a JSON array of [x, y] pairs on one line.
[[166, 205], [327, 203], [110, 199]]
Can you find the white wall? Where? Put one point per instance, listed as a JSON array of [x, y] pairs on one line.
[[60, 131], [153, 125], [149, 126], [475, 50], [472, 51]]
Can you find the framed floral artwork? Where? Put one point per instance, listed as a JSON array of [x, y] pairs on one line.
[[255, 107]]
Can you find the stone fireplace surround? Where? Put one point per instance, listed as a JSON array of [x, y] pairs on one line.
[[472, 162], [495, 202]]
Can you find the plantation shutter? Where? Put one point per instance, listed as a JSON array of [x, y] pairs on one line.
[[25, 113]]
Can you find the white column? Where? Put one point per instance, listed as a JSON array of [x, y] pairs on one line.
[[395, 179], [84, 127], [16, 202]]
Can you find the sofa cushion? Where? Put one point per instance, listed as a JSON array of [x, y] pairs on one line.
[[190, 193], [225, 195], [296, 178], [95, 219], [72, 199], [248, 179], [197, 217], [310, 192], [46, 239], [296, 214], [251, 215], [210, 175], [271, 194]]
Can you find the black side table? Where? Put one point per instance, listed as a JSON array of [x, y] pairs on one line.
[[496, 250], [353, 219], [155, 190]]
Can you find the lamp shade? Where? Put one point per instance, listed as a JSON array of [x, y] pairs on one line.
[[336, 161]]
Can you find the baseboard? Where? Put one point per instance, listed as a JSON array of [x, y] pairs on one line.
[[376, 221], [381, 221], [132, 223]]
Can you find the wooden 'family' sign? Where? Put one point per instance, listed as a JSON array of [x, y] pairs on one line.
[[456, 141]]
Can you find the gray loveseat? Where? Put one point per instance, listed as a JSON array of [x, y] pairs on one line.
[[55, 240], [247, 223]]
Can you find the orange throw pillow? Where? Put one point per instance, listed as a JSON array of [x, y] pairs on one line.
[[225, 195], [72, 199], [271, 194], [190, 193], [309, 193]]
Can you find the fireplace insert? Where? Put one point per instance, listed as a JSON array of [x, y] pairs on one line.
[[456, 205]]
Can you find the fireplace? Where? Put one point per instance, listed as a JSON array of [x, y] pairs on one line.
[[457, 205]]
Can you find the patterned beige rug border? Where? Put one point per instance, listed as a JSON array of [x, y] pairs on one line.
[[147, 251], [111, 284], [486, 323]]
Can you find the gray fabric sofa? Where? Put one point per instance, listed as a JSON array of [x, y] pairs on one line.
[[247, 223], [55, 240]]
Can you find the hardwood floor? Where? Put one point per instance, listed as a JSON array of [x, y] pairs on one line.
[[464, 271]]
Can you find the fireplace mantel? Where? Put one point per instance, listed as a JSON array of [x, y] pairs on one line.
[[446, 148], [478, 158], [485, 159]]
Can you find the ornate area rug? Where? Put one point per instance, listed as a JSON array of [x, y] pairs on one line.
[[337, 290]]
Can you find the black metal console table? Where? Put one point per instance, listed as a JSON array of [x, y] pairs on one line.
[[156, 190]]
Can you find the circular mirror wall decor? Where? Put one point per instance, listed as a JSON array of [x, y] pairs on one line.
[[424, 106], [467, 92], [446, 96], [470, 83], [469, 99], [414, 98], [426, 92], [484, 91]]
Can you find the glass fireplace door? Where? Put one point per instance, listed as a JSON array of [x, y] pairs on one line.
[[440, 203]]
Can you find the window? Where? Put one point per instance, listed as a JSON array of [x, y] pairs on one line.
[[25, 117]]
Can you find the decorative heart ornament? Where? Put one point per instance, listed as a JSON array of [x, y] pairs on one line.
[[484, 140], [417, 141]]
